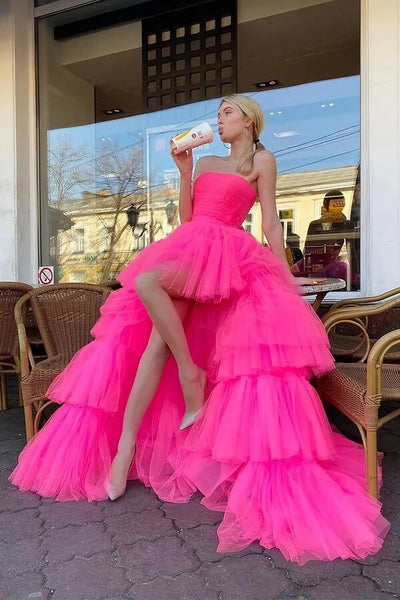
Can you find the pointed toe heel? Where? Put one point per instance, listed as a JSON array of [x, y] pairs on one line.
[[115, 491], [190, 417]]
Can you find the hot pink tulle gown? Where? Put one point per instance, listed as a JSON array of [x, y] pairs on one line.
[[262, 451]]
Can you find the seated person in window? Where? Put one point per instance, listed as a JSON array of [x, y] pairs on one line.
[[324, 244], [293, 250]]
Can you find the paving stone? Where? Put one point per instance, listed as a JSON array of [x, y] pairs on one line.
[[19, 525], [188, 586], [391, 471], [20, 557], [390, 509], [8, 460], [83, 540], [315, 571], [136, 499], [60, 514], [386, 575], [203, 540], [249, 577], [4, 482], [165, 557], [389, 442], [11, 499], [131, 527], [191, 514], [25, 587], [94, 578], [393, 483], [350, 588], [12, 444], [389, 551]]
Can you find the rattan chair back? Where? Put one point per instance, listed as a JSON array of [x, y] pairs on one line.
[[10, 293], [65, 313]]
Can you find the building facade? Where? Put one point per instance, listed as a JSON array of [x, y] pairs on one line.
[[92, 91]]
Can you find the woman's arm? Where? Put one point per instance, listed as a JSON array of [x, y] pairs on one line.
[[265, 166], [184, 162]]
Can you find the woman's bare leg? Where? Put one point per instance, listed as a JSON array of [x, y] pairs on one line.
[[146, 382], [166, 320]]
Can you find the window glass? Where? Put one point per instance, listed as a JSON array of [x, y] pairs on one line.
[[108, 186]]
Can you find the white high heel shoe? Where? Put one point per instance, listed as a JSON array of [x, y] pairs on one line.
[[189, 417], [115, 491]]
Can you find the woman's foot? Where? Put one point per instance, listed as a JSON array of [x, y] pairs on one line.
[[193, 392], [118, 476]]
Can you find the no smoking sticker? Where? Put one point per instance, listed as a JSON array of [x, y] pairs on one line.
[[46, 275]]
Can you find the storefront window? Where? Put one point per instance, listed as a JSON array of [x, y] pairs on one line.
[[109, 186]]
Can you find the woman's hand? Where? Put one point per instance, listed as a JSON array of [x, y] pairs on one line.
[[184, 161]]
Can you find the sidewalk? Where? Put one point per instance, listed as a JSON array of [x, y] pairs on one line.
[[139, 548]]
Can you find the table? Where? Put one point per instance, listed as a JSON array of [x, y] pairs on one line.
[[321, 289]]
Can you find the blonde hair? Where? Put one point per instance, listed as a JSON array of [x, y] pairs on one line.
[[249, 108]]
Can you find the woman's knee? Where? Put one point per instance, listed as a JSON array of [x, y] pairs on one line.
[[145, 283]]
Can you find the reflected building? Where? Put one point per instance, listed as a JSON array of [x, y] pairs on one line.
[[101, 242]]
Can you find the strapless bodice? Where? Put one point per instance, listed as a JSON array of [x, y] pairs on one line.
[[225, 197]]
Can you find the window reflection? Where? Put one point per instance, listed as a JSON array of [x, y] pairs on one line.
[[96, 172]]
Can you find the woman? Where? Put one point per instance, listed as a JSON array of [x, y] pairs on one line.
[[198, 378]]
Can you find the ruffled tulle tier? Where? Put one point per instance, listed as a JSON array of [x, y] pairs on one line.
[[294, 484], [263, 323], [70, 458], [309, 510], [208, 261]]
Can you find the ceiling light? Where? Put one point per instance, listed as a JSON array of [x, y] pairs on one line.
[[113, 111], [267, 84]]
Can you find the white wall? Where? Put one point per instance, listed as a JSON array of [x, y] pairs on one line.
[[380, 142], [18, 202]]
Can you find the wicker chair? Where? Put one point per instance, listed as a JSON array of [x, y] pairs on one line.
[[358, 389], [352, 342], [10, 293], [64, 314]]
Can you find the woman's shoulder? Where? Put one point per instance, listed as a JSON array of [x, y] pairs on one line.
[[263, 157], [205, 164]]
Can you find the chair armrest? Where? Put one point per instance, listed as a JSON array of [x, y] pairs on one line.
[[375, 362], [356, 312], [381, 347], [350, 302], [25, 352]]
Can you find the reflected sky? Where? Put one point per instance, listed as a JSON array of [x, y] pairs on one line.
[[309, 127]]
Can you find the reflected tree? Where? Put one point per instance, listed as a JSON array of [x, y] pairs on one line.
[[119, 184], [70, 170], [69, 174]]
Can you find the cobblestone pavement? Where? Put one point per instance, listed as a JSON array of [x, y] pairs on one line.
[[142, 549]]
